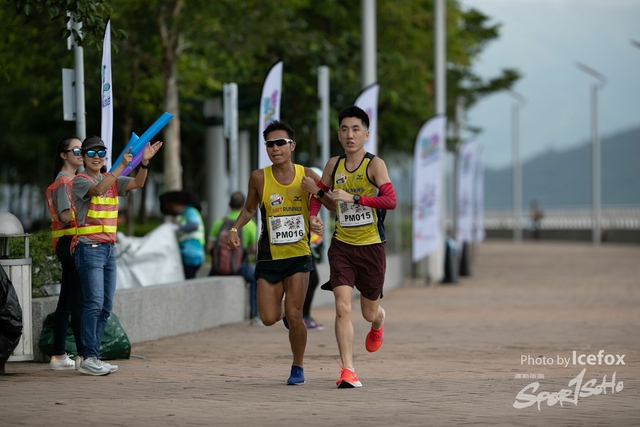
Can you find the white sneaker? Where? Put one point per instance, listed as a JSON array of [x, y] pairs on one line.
[[78, 361], [92, 366], [61, 363], [110, 367]]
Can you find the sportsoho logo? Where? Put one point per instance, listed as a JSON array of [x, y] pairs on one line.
[[577, 387]]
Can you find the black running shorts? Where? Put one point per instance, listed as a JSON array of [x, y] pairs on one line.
[[275, 271]]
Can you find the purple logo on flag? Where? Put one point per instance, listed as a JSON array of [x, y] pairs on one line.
[[426, 201], [429, 148], [269, 107]]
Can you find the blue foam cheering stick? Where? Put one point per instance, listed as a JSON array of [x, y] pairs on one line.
[[132, 140], [133, 163], [152, 131]]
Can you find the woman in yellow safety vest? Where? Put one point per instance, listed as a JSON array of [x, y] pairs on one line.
[[63, 231], [95, 196]]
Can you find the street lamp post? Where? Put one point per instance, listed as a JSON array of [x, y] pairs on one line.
[[595, 151], [436, 260], [368, 42], [516, 168]]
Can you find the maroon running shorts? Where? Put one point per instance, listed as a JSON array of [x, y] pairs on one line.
[[359, 266]]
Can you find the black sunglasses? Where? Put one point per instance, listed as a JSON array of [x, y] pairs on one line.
[[75, 151], [92, 153], [279, 142]]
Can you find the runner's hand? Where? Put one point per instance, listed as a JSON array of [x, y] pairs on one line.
[[151, 150], [127, 158], [309, 185], [316, 224], [233, 241], [341, 196]]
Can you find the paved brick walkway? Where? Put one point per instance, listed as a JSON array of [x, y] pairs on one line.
[[452, 356]]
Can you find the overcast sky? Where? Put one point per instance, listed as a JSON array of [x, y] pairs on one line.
[[543, 39]]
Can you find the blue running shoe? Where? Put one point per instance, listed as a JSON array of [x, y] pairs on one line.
[[284, 320], [297, 376]]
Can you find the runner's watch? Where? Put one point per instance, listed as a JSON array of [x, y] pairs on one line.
[[319, 194], [356, 199]]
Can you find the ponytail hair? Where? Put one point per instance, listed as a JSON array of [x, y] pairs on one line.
[[63, 146]]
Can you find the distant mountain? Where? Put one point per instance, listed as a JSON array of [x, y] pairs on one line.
[[563, 178]]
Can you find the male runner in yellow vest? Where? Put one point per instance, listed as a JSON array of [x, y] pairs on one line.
[[284, 257], [359, 184]]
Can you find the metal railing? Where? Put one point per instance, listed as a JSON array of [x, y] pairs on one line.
[[568, 218]]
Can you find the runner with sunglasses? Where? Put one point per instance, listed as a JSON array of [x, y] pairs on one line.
[[358, 182], [284, 257], [63, 230], [96, 202]]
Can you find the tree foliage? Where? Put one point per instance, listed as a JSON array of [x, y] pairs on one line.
[[91, 13], [205, 43]]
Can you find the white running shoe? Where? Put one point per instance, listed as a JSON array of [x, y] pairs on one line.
[[92, 366], [61, 363], [110, 367]]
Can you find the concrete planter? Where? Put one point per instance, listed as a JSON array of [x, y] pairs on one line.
[[154, 312]]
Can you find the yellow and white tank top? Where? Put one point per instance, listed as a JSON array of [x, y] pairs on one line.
[[285, 218], [355, 224]]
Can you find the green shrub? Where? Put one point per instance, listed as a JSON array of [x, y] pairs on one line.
[[45, 267]]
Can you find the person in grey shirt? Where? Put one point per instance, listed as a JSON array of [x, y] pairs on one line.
[[95, 196]]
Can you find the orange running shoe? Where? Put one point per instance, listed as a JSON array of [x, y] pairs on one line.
[[375, 337], [348, 379]]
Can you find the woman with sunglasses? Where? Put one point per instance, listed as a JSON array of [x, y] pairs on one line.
[[63, 230], [95, 196]]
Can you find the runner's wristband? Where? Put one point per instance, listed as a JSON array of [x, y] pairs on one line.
[[144, 166]]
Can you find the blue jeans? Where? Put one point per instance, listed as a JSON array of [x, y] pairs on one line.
[[96, 266]]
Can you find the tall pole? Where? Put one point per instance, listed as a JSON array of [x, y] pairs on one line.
[[436, 259], [368, 42], [244, 160], [231, 132], [368, 47], [215, 160], [595, 166], [595, 152], [517, 174], [457, 134], [324, 140], [516, 168], [440, 57], [78, 64]]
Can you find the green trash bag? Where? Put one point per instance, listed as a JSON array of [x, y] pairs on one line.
[[115, 343]]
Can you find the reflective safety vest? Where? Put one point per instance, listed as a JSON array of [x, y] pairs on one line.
[[58, 229], [101, 222]]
